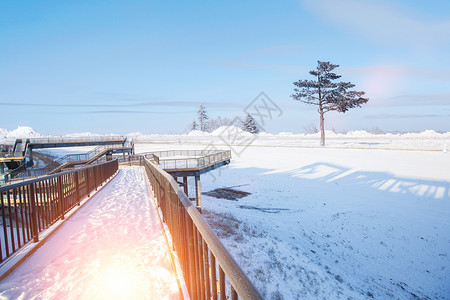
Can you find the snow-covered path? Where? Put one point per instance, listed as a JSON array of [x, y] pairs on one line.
[[112, 248]]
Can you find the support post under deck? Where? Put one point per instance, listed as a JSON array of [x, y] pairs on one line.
[[185, 186], [198, 193], [31, 156]]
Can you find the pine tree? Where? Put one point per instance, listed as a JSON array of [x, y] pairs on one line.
[[327, 95], [250, 124], [202, 117], [194, 125]]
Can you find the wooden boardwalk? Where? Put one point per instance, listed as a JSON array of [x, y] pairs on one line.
[[112, 248]]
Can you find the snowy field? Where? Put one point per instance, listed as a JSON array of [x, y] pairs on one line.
[[335, 223], [99, 254], [358, 139], [365, 217]]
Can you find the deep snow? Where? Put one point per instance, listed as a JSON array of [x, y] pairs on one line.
[[335, 223], [112, 248]]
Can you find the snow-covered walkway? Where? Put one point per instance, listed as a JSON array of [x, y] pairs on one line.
[[112, 248]]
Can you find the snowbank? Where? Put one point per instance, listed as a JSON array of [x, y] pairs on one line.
[[28, 132], [198, 133]]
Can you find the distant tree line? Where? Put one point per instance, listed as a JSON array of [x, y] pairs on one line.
[[204, 123]]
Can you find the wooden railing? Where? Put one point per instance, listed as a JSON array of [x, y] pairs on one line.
[[208, 269], [32, 206]]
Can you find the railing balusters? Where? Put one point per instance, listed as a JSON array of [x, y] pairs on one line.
[[42, 206], [223, 293], [5, 232], [234, 295], [16, 217], [77, 188], [22, 214], [199, 252], [206, 271], [34, 225], [49, 201], [213, 276], [26, 198], [191, 258], [11, 228], [38, 203], [200, 264]]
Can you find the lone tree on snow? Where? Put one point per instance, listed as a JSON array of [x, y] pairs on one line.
[[327, 95], [202, 117], [250, 124]]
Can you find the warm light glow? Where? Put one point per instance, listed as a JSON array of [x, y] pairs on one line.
[[122, 277], [118, 281]]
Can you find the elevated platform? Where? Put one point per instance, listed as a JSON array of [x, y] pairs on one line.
[[11, 160], [180, 163], [22, 153], [41, 143], [187, 163]]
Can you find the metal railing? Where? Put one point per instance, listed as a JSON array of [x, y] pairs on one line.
[[32, 206], [80, 156], [22, 174], [51, 140], [208, 269], [185, 159]]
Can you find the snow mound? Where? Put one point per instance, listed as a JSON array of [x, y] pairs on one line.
[[220, 131], [135, 134], [285, 133], [230, 129], [423, 134], [22, 132], [197, 133], [358, 133]]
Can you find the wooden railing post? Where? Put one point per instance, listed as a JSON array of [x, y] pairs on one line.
[[34, 214], [94, 169], [77, 188], [88, 191], [191, 251], [60, 196]]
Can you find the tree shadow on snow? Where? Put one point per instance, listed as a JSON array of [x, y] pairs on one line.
[[379, 181]]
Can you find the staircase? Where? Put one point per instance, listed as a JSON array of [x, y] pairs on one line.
[[22, 149], [85, 158]]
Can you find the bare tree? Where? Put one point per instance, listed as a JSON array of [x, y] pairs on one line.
[[218, 122], [310, 129], [326, 94]]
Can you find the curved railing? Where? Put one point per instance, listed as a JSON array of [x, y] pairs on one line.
[[208, 269], [188, 159]]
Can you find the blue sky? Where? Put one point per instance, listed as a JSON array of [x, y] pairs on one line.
[[127, 66]]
